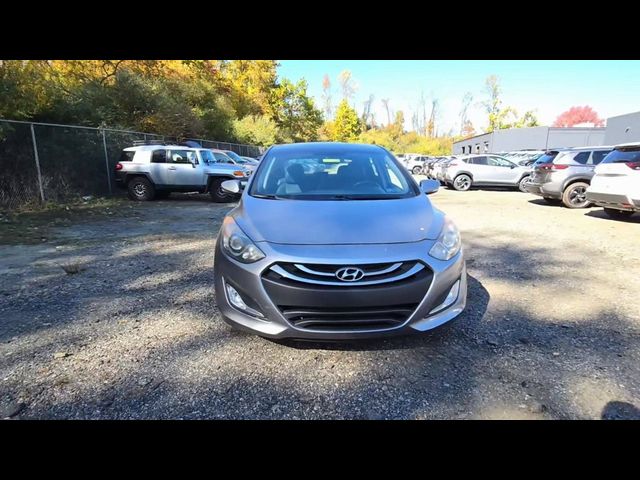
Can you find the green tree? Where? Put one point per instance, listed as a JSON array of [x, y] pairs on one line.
[[294, 112], [257, 130], [347, 125]]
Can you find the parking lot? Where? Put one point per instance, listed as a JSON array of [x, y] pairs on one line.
[[551, 329]]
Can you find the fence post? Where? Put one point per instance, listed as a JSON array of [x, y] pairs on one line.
[[106, 159], [35, 153]]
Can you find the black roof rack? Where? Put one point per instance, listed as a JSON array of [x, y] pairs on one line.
[[188, 143], [137, 143]]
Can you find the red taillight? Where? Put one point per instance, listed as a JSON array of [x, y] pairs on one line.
[[551, 166], [633, 165], [118, 166]]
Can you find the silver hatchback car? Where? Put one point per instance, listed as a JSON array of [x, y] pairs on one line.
[[350, 249]]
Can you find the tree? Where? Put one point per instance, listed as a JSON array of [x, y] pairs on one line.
[[431, 125], [493, 102], [326, 96], [346, 126], [467, 130], [385, 103], [466, 101], [367, 116], [507, 117], [397, 128], [295, 114], [256, 130], [347, 84], [576, 115]]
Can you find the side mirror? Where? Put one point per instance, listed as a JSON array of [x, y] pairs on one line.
[[429, 186], [231, 186]]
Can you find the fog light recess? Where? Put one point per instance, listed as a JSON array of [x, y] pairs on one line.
[[236, 300], [452, 296]]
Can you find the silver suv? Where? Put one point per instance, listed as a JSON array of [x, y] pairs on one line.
[[563, 175], [484, 170], [154, 171]]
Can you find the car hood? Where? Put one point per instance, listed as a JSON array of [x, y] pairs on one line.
[[224, 167], [310, 222]]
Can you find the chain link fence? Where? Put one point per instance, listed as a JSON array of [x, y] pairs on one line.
[[42, 162]]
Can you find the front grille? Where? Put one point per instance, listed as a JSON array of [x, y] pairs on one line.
[[310, 296], [325, 274], [347, 318]]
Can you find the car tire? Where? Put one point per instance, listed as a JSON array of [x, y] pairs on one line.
[[141, 189], [521, 184], [618, 214], [218, 195], [574, 196], [462, 182], [417, 170]]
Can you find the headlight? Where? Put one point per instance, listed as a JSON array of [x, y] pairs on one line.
[[448, 242], [236, 244]]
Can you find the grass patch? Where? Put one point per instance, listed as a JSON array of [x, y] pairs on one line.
[[33, 225]]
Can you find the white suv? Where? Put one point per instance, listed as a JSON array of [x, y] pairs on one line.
[[616, 183], [154, 171], [485, 170]]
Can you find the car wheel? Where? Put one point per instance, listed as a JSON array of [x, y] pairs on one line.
[[462, 183], [140, 189], [523, 182], [575, 195], [618, 214], [417, 170], [217, 193]]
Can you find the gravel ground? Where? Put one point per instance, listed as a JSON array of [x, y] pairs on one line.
[[552, 327]]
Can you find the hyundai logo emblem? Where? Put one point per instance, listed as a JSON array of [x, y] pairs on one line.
[[349, 274]]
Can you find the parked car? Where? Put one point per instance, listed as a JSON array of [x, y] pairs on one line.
[[616, 183], [484, 170], [413, 162], [565, 174], [251, 159], [151, 171], [248, 162], [432, 167], [367, 255]]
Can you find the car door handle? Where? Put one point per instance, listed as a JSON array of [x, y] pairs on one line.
[[172, 168]]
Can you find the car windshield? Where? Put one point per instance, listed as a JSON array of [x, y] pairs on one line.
[[623, 156], [207, 156], [311, 174], [222, 158], [235, 156]]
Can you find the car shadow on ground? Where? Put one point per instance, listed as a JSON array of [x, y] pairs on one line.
[[599, 213], [477, 302], [544, 203]]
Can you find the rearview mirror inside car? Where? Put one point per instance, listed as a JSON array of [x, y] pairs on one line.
[[231, 186], [429, 186]]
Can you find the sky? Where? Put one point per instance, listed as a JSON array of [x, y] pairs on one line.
[[548, 87]]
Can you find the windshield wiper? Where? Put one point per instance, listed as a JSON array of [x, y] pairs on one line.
[[268, 196]]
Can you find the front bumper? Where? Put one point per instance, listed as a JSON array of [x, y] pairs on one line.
[[248, 280], [612, 200]]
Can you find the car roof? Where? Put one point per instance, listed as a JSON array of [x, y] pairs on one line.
[[577, 149], [328, 147], [627, 145], [157, 146]]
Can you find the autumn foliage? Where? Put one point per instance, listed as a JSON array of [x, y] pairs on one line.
[[577, 115]]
